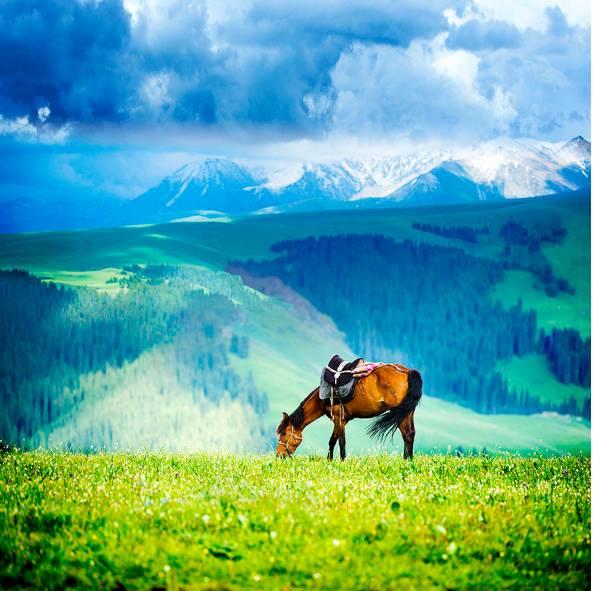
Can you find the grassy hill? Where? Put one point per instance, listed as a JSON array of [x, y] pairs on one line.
[[60, 255], [204, 522], [290, 341]]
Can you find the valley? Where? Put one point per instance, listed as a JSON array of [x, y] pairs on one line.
[[289, 340]]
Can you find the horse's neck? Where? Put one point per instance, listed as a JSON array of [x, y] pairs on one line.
[[312, 408]]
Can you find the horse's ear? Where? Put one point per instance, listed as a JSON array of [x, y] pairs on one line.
[[283, 423]]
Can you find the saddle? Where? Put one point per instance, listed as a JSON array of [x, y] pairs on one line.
[[338, 380]]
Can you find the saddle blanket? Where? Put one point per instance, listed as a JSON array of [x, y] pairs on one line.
[[342, 394]]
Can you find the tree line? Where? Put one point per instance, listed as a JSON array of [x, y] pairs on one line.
[[465, 233], [425, 305], [62, 348]]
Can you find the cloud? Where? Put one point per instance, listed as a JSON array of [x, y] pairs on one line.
[[21, 128], [43, 114], [104, 61], [547, 78], [478, 35], [278, 70], [422, 92], [66, 54], [531, 14]]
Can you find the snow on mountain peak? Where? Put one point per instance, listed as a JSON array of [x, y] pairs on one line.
[[498, 168], [209, 169], [518, 168], [576, 150]]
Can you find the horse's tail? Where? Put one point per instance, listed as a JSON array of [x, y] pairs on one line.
[[387, 423]]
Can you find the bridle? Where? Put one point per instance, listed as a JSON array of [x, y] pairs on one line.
[[288, 441]]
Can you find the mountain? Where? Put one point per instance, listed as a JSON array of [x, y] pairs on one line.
[[502, 169], [525, 169], [213, 184], [578, 149], [445, 184], [493, 170], [217, 184], [201, 189], [26, 214], [357, 178]]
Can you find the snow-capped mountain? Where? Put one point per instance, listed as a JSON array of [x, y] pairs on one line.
[[356, 178], [578, 149], [447, 183], [492, 170], [521, 169], [204, 185]]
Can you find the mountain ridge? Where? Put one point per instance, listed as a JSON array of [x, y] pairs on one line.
[[493, 170], [211, 187]]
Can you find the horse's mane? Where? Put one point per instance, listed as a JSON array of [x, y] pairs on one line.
[[297, 417]]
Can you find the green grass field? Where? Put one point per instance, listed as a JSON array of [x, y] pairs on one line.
[[208, 522]]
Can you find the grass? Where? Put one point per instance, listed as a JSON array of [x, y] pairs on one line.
[[562, 311], [532, 373], [103, 280], [200, 522]]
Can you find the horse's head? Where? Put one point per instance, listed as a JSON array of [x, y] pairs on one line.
[[289, 437]]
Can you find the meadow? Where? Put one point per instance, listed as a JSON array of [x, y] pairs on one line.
[[227, 522]]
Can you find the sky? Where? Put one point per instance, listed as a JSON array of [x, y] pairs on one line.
[[111, 95]]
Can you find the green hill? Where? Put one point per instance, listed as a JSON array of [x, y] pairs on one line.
[[289, 340]]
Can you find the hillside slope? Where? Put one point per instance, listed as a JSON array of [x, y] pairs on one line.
[[289, 341]]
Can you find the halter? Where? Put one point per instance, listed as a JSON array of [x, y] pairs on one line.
[[288, 441]]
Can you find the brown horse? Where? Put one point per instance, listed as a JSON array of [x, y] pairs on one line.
[[390, 393]]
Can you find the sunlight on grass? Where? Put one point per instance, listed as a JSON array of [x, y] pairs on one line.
[[120, 521]]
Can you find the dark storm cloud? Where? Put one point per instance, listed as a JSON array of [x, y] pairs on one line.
[[284, 69], [275, 22], [91, 64], [70, 55]]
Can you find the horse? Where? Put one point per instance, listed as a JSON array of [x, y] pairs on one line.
[[390, 393]]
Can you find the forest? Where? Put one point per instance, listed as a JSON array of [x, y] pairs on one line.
[[165, 356], [429, 307], [522, 250], [465, 233], [64, 348]]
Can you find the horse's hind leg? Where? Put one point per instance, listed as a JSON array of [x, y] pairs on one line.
[[332, 443], [342, 441], [408, 432]]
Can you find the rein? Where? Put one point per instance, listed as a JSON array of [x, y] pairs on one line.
[[288, 441]]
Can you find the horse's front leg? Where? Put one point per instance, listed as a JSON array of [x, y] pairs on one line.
[[332, 443], [408, 432]]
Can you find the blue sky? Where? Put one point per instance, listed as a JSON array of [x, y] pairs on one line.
[[108, 94]]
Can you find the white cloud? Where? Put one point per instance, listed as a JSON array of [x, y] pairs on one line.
[[155, 90], [43, 114], [423, 91], [526, 14], [21, 128]]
